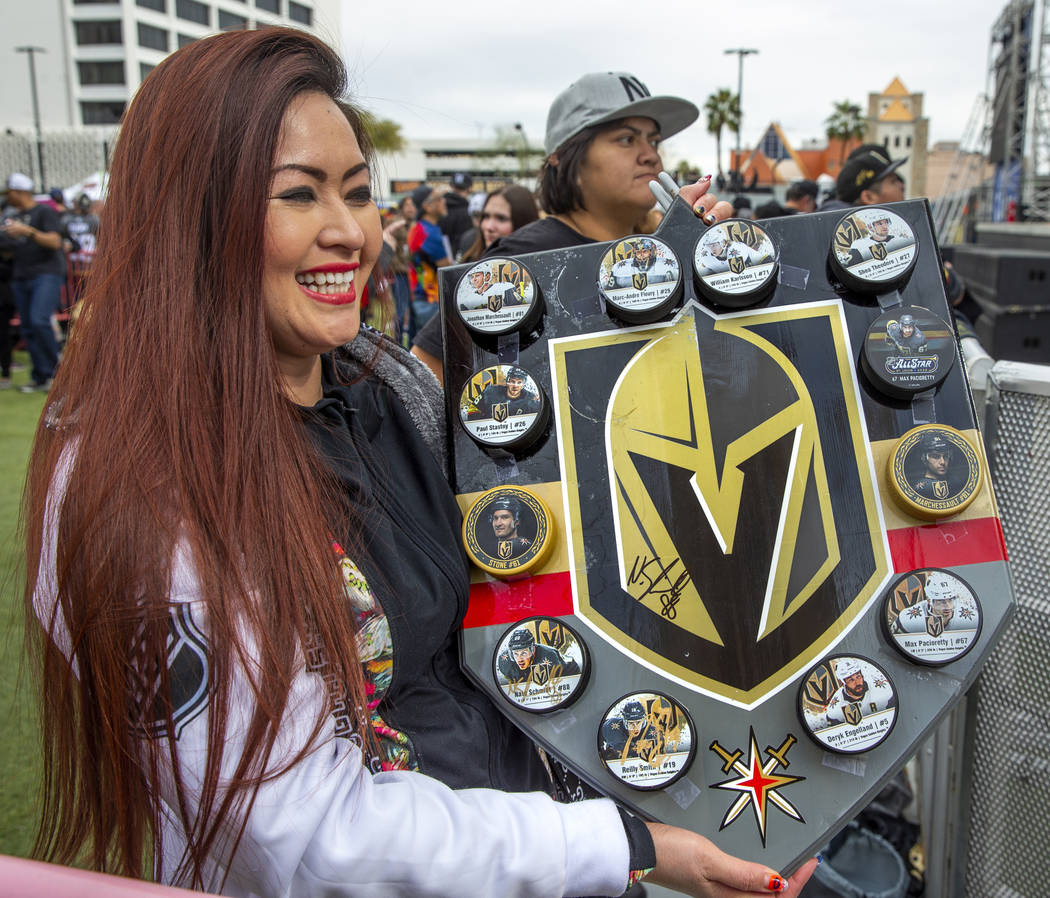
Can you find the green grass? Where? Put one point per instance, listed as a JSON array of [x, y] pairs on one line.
[[19, 751]]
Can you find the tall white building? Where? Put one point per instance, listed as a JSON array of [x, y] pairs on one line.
[[96, 52]]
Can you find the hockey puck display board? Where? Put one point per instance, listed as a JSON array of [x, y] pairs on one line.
[[727, 537]]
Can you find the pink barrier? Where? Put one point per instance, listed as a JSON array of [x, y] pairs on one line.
[[20, 878]]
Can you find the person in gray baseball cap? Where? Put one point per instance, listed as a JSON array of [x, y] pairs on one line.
[[602, 143]]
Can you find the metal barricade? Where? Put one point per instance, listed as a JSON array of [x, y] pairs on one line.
[[986, 771]]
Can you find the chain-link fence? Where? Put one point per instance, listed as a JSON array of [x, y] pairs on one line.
[[1009, 772], [68, 157]]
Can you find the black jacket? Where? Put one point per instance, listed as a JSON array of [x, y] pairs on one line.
[[457, 220], [410, 551]]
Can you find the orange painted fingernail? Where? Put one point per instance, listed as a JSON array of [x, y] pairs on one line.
[[776, 884]]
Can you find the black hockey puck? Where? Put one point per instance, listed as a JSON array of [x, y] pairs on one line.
[[735, 263], [502, 407], [640, 279], [873, 251], [498, 296], [908, 350]]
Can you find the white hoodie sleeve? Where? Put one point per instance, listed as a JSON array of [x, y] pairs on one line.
[[328, 827]]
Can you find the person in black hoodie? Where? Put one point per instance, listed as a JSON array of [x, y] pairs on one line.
[[457, 220]]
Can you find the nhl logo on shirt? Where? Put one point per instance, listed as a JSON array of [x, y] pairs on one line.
[[736, 264], [500, 411], [495, 303], [640, 280], [188, 674], [878, 252]]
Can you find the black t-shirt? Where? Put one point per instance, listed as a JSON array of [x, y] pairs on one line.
[[546, 233], [30, 258], [535, 237], [83, 231]]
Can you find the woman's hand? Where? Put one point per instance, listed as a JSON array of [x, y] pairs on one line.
[[694, 865], [706, 205]]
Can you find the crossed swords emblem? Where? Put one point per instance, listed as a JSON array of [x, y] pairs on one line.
[[757, 781]]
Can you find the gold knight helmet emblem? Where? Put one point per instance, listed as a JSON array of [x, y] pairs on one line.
[[934, 625], [736, 264], [852, 713], [660, 419], [495, 302], [500, 411], [505, 548], [640, 280], [940, 489], [740, 546], [878, 251]]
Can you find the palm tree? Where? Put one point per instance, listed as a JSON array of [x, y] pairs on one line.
[[723, 111], [385, 135], [845, 123]]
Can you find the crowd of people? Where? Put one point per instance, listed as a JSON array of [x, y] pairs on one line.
[[246, 642], [46, 250]]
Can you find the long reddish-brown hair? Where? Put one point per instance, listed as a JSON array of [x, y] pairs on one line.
[[168, 408]]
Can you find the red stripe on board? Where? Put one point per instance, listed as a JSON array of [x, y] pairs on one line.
[[495, 602], [947, 544]]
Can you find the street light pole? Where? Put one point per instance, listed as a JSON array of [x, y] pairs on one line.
[[741, 52], [29, 51]]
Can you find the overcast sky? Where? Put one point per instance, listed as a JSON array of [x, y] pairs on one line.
[[464, 69]]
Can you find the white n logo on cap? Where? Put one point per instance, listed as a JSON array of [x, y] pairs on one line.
[[634, 88]]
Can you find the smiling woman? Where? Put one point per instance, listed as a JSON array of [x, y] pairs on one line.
[[322, 238], [247, 644]]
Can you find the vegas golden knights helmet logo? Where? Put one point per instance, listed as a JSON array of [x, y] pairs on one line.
[[495, 302], [640, 280], [940, 489], [500, 411], [736, 264], [934, 625], [907, 593], [852, 713], [540, 674], [550, 633], [878, 251], [819, 687], [505, 548], [741, 544]]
